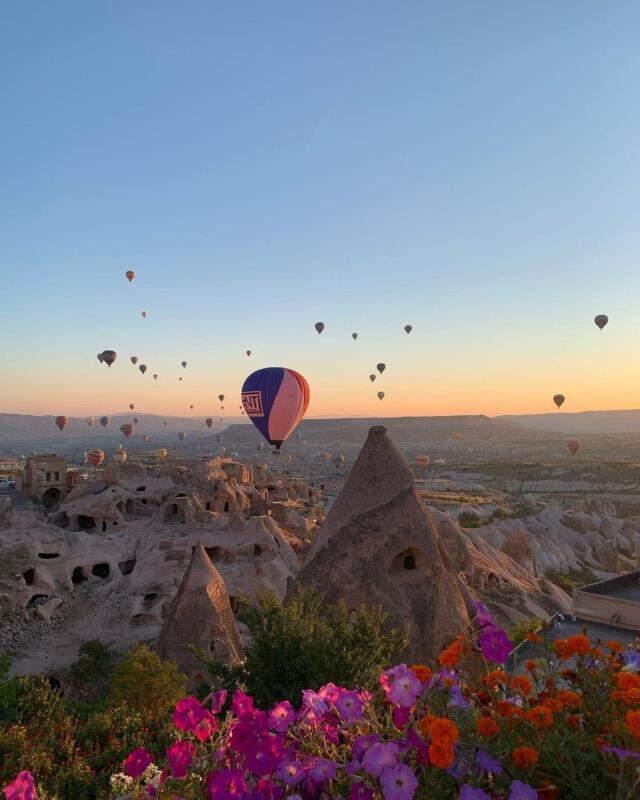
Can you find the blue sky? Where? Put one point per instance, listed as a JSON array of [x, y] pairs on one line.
[[470, 168]]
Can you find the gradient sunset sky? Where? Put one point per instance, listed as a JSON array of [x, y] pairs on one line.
[[470, 168]]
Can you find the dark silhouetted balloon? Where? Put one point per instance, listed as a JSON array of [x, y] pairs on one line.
[[135, 420], [95, 457], [354, 336], [181, 436], [104, 421], [134, 360], [208, 422], [130, 274], [220, 397], [319, 326], [100, 358], [372, 377], [573, 447], [109, 356], [184, 364], [248, 352], [380, 395], [142, 368], [143, 314], [62, 422], [131, 406], [381, 367], [408, 328], [275, 399], [558, 399], [127, 429], [155, 377], [601, 320]]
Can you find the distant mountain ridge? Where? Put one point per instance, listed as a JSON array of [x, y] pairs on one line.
[[580, 422]]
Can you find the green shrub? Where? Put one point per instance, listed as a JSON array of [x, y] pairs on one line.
[[90, 673], [519, 631], [469, 519]]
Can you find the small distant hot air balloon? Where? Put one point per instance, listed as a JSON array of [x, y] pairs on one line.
[[275, 399], [372, 377], [135, 420], [184, 364], [95, 457], [179, 379], [90, 421], [319, 326], [248, 352], [181, 436], [143, 314], [573, 447], [220, 397], [142, 368], [104, 421], [408, 328], [120, 456], [161, 453], [354, 336], [208, 422], [100, 358], [601, 320], [134, 360], [155, 377], [130, 275], [109, 356], [126, 429], [380, 395], [191, 407], [558, 399], [381, 367], [131, 406], [338, 461], [62, 422]]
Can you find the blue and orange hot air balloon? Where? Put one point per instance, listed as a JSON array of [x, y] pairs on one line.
[[275, 399]]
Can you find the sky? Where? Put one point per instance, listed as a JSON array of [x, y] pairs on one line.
[[469, 168]]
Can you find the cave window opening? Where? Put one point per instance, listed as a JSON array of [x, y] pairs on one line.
[[78, 576], [101, 570], [29, 576], [409, 561]]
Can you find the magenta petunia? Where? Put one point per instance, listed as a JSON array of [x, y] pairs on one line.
[[522, 791], [22, 787], [379, 757], [290, 772], [398, 783], [218, 700], [495, 644], [137, 761], [350, 706], [281, 716], [322, 770], [188, 713], [264, 758], [226, 784], [360, 791], [314, 704], [242, 704], [206, 727], [405, 688], [180, 756]]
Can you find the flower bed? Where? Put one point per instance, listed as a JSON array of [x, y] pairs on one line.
[[465, 729]]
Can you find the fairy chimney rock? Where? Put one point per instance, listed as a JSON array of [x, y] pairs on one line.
[[200, 616], [380, 546]]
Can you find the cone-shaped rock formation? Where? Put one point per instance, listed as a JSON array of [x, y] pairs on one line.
[[379, 546], [200, 615]]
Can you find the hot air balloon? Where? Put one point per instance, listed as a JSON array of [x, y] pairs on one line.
[[338, 461], [181, 436], [155, 377], [134, 360], [354, 336], [275, 399], [381, 367], [422, 461], [248, 352], [127, 429], [95, 457], [601, 320], [100, 358], [131, 406], [372, 377], [90, 421], [558, 399], [104, 421], [573, 447], [179, 379], [408, 328], [380, 395], [130, 274], [120, 456], [162, 453], [319, 326], [62, 422], [143, 314], [184, 364], [142, 368], [208, 422], [220, 397], [191, 407], [135, 420], [109, 356]]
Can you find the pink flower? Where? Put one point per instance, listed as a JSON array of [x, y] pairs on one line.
[[205, 728], [22, 787], [226, 784], [495, 644], [188, 713], [350, 706], [405, 687], [398, 783], [218, 700], [281, 716], [242, 704], [180, 755], [137, 761]]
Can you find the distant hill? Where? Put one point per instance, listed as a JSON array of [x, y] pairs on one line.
[[584, 422]]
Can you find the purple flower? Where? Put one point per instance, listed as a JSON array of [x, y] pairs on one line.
[[522, 791], [22, 787], [631, 660], [218, 700], [398, 783], [360, 791], [226, 784], [405, 687], [322, 770], [620, 753], [180, 755], [457, 699], [137, 761], [495, 644], [400, 715], [350, 706], [472, 793], [488, 763], [290, 772], [314, 702], [281, 716], [380, 756], [265, 756]]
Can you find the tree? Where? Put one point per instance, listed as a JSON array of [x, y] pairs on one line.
[[145, 683]]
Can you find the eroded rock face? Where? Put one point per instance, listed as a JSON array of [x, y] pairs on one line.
[[200, 616], [379, 546]]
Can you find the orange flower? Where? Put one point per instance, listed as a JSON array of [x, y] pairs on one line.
[[569, 699], [534, 637], [441, 756], [442, 731], [495, 677], [522, 684], [615, 647], [530, 665], [450, 657], [525, 757], [632, 721], [630, 697], [540, 716], [627, 680], [573, 646], [422, 673], [487, 727], [573, 721], [505, 709]]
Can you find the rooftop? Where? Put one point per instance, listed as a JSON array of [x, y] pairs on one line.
[[622, 587]]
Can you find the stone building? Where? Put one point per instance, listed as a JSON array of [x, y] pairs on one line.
[[45, 479]]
